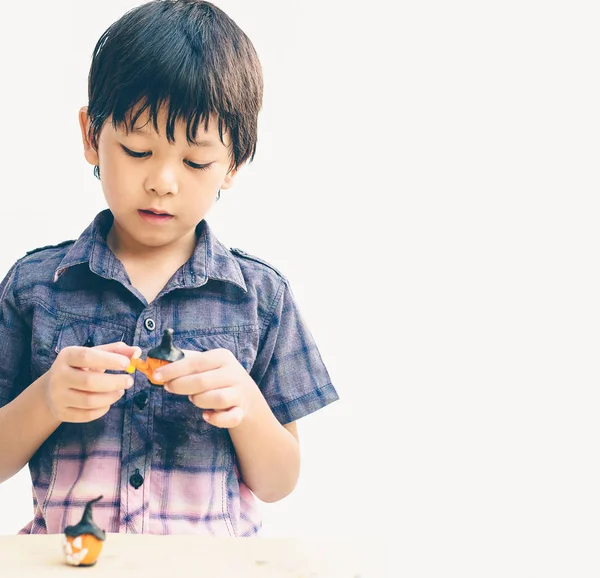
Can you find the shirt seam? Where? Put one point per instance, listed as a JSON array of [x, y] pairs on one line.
[[271, 313], [14, 276]]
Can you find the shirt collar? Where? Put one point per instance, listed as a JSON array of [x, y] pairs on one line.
[[210, 259]]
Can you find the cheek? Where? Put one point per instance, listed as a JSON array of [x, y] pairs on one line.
[[215, 179], [201, 189], [116, 177], [197, 206]]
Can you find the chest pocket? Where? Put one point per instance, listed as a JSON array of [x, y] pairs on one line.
[[68, 332], [177, 409], [82, 332]]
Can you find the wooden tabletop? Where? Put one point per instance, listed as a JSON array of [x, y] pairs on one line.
[[148, 556]]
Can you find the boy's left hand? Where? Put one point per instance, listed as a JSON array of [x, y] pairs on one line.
[[214, 381]]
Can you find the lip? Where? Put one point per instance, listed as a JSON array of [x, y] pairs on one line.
[[156, 212], [151, 217]]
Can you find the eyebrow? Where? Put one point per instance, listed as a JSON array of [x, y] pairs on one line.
[[197, 143], [203, 143]]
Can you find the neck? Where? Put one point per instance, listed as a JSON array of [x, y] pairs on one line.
[[127, 249]]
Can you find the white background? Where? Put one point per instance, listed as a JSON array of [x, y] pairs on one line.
[[427, 178]]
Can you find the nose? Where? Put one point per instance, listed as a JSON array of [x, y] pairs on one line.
[[162, 180]]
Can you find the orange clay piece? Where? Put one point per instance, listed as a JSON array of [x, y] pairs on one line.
[[157, 357], [147, 367], [77, 545]]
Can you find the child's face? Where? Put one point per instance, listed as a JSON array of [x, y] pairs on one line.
[[163, 179]]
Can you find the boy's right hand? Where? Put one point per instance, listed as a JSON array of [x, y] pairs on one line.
[[78, 390]]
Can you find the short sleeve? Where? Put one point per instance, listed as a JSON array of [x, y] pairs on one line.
[[14, 360], [288, 368]]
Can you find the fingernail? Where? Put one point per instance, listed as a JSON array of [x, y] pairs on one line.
[[130, 381], [157, 377], [138, 353]]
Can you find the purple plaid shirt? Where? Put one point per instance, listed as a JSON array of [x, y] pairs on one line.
[[160, 467]]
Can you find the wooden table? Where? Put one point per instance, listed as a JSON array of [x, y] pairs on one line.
[[149, 556]]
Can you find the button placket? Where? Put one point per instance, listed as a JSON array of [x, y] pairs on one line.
[[138, 428]]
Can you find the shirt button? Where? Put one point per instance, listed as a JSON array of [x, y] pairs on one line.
[[150, 324], [136, 479], [141, 399]]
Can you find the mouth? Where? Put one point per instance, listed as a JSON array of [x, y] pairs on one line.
[[154, 216], [156, 212]]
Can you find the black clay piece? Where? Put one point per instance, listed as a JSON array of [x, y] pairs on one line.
[[166, 350], [87, 524]]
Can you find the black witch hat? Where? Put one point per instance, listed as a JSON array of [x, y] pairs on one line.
[[166, 350], [87, 524]]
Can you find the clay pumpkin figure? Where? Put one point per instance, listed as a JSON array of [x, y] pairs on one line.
[[165, 353], [83, 542]]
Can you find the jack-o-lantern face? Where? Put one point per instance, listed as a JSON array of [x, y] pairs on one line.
[[82, 550]]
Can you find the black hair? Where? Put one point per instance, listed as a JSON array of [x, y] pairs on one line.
[[186, 55]]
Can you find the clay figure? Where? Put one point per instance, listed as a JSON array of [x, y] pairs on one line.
[[165, 353], [83, 542]]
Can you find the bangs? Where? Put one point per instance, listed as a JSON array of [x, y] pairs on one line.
[[127, 112]]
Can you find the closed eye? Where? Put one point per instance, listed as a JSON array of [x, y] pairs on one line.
[[137, 155], [197, 166], [134, 154]]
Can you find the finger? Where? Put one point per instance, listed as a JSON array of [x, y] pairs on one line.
[[224, 419], [95, 358], [199, 382], [85, 415], [130, 351], [221, 399], [194, 362], [121, 348], [92, 401], [95, 382]]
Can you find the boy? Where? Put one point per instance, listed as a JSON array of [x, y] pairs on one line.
[[175, 88]]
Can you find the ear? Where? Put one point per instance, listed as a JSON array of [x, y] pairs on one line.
[[229, 178], [90, 153]]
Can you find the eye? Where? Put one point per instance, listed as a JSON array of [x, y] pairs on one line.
[[198, 167], [134, 154]]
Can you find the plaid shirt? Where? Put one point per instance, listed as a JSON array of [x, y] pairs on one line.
[[160, 467]]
